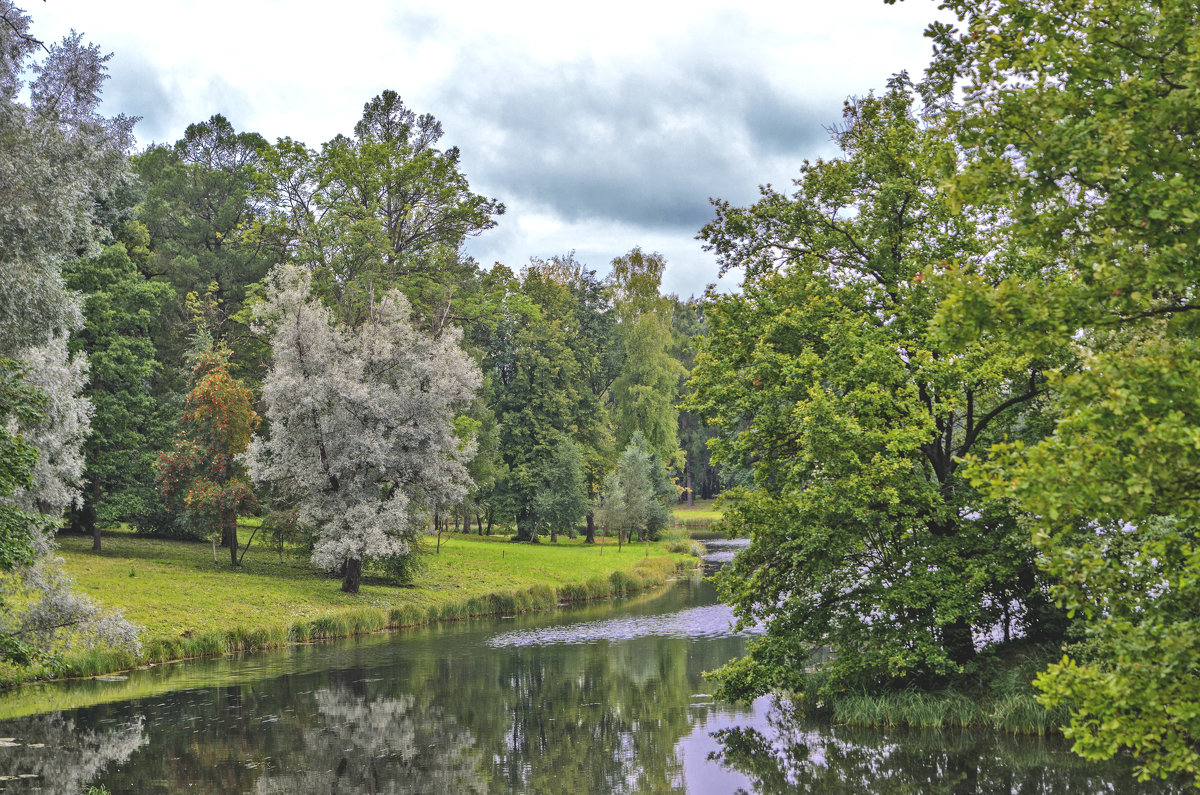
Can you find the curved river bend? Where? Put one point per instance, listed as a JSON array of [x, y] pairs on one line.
[[603, 698]]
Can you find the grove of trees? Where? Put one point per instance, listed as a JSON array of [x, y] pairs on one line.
[[956, 394]]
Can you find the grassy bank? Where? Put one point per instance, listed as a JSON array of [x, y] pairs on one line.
[[699, 520], [191, 607], [1000, 698]]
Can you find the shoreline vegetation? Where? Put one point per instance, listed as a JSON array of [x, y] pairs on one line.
[[1000, 698], [191, 608]]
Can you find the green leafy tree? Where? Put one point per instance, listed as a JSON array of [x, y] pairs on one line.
[[825, 381], [61, 161], [644, 392], [700, 476], [20, 404], [380, 209], [537, 393], [637, 495], [129, 426], [1084, 115], [200, 209], [201, 474], [559, 502]]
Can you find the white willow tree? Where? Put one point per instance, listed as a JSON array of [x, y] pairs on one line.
[[361, 433], [57, 436], [59, 159]]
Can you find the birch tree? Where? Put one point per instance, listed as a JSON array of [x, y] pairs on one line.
[[361, 433]]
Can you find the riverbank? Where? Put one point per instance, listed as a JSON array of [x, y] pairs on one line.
[[192, 607], [699, 520], [1000, 697]]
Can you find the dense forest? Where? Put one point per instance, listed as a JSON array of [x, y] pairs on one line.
[[953, 404]]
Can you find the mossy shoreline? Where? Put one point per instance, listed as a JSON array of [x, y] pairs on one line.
[[543, 583]]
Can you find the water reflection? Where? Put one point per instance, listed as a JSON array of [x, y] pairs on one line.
[[608, 698], [710, 621], [50, 753], [356, 743], [784, 753]]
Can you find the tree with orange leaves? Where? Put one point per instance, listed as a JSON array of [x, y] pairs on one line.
[[200, 474]]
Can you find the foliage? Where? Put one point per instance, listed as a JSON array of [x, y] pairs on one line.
[[382, 209], [58, 157], [120, 307], [637, 494], [362, 439], [1084, 115], [559, 502], [643, 394], [19, 404], [200, 474], [59, 161], [199, 207], [538, 393], [825, 381]]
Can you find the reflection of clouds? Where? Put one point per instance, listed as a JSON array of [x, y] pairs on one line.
[[63, 758], [710, 621], [789, 753], [378, 745]]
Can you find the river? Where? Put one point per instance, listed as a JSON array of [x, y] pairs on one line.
[[595, 699]]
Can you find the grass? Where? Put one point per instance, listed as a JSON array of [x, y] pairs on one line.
[[701, 510], [700, 520], [191, 607], [1013, 713], [1000, 697]]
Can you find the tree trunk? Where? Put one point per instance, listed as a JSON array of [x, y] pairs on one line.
[[479, 523], [591, 528], [690, 493], [229, 522], [89, 514], [524, 532], [959, 643], [553, 535], [490, 517], [352, 575]]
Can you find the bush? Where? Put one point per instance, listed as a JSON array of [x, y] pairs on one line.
[[402, 569], [162, 522], [283, 532]]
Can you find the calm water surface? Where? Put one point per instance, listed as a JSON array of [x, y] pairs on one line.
[[599, 699]]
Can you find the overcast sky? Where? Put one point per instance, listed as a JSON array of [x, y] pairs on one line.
[[601, 126]]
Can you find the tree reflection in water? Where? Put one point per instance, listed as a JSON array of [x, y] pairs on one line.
[[380, 745], [49, 753], [795, 755]]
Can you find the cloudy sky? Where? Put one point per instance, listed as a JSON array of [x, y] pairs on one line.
[[601, 126]]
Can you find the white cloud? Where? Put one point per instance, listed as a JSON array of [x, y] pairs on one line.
[[602, 125]]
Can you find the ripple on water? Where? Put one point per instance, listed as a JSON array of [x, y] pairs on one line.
[[710, 621]]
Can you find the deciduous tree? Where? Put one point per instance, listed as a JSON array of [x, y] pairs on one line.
[[1085, 115], [361, 422], [825, 381], [201, 474]]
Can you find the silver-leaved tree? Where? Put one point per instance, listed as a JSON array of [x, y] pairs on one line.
[[361, 432], [59, 159]]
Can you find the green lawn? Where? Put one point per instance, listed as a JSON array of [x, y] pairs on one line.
[[173, 588], [703, 510]]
